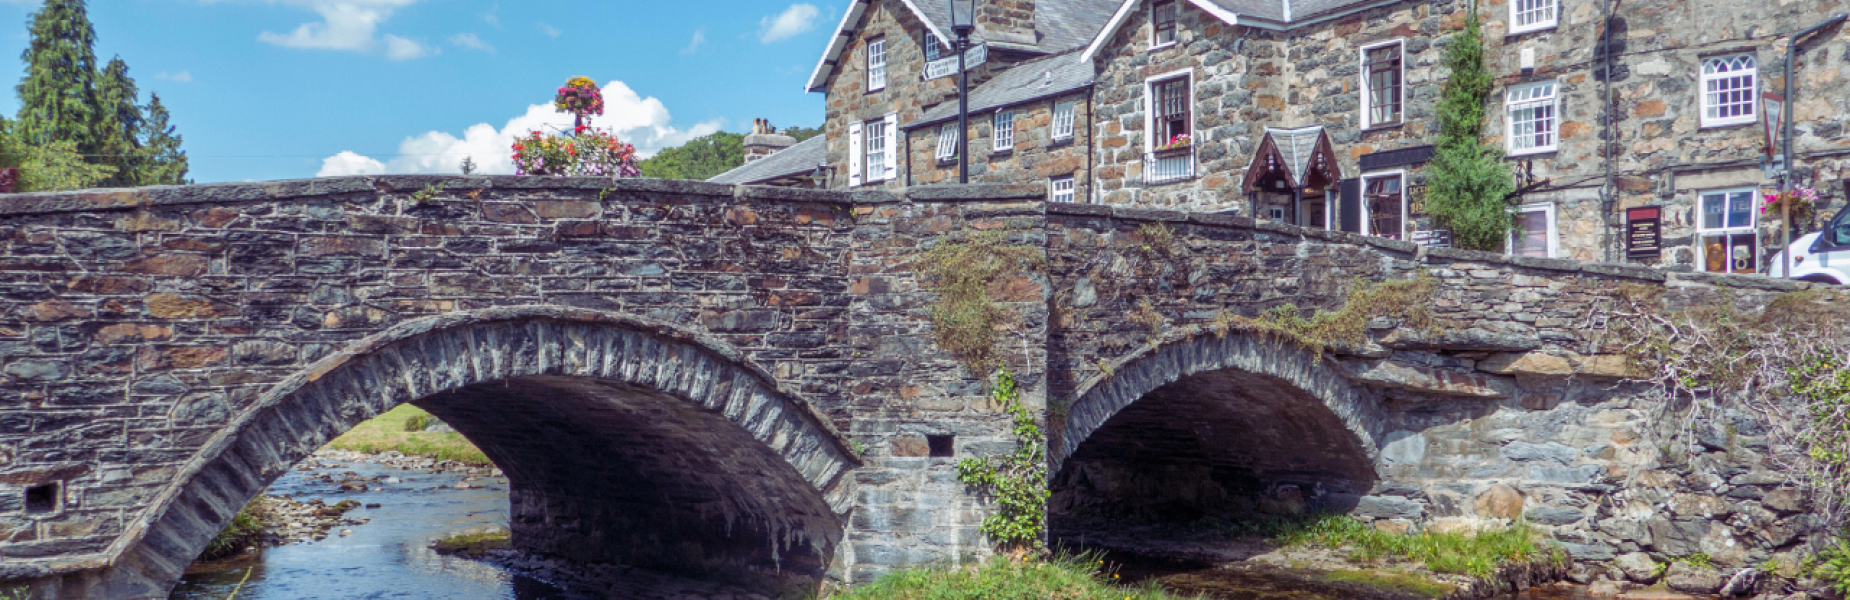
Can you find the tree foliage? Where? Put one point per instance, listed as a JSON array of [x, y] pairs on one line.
[[118, 124], [163, 163], [699, 159], [802, 133], [58, 96], [1468, 186]]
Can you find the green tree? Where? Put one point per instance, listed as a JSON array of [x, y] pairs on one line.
[[58, 96], [120, 125], [47, 167], [162, 162], [802, 133], [699, 159], [1468, 186]]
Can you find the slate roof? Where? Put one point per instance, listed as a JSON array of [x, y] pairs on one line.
[[1032, 80], [1060, 25], [1267, 14], [801, 159], [1296, 145]]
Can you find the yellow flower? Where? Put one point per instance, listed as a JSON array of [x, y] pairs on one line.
[[580, 82]]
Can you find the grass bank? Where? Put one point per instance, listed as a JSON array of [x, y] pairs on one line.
[[388, 432], [1066, 577], [1480, 554]]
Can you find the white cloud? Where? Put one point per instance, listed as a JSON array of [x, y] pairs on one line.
[[548, 30], [492, 17], [350, 25], [472, 42], [397, 48], [180, 77], [794, 20], [644, 122], [700, 37]]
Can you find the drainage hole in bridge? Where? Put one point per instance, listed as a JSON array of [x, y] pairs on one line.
[[42, 498], [942, 446]]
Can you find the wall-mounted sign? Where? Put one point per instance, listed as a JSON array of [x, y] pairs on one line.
[[1644, 232], [947, 66], [1434, 238], [1775, 105]]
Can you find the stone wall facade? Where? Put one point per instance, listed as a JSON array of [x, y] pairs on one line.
[[1035, 158]]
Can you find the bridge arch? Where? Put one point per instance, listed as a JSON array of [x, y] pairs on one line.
[[622, 439], [1216, 420]]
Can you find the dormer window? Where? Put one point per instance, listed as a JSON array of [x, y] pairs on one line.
[[876, 64], [1163, 23]]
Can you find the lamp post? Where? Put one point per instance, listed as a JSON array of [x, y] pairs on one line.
[[963, 20], [1785, 177]]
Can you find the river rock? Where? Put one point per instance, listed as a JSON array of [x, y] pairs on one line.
[[1684, 577], [1637, 567], [1388, 507], [1784, 501]]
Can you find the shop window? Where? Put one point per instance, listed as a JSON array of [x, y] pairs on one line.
[[1384, 206], [1728, 85], [1535, 231], [1532, 15], [1533, 114], [1725, 232], [1382, 84], [1163, 23]]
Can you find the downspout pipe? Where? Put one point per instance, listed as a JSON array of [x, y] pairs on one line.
[[1609, 194], [1785, 183]]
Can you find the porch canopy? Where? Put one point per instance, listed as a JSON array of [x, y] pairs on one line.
[[1292, 159]]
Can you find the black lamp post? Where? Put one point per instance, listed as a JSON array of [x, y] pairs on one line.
[[963, 20]]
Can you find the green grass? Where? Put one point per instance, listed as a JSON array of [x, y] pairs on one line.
[[387, 432], [474, 544], [1388, 580], [246, 526], [1065, 577], [1476, 555]]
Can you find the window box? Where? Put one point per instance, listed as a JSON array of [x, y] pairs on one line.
[[1184, 149]]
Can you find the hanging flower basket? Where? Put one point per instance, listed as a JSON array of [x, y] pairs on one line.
[[1799, 202], [580, 97]]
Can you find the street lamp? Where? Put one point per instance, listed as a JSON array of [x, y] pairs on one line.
[[963, 20], [1785, 183]]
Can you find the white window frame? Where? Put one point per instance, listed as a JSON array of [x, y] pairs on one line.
[[934, 48], [1002, 131], [1511, 104], [1176, 32], [884, 144], [876, 64], [947, 142], [1065, 115], [1554, 236], [1368, 221], [1751, 228], [1552, 8], [1061, 186], [1362, 59], [1705, 103], [1149, 106]]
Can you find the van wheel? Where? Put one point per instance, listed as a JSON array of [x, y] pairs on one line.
[[1821, 279]]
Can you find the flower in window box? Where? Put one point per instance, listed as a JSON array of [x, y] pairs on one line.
[[1181, 140], [1799, 201]]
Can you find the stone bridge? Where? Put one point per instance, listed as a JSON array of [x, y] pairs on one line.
[[678, 374]]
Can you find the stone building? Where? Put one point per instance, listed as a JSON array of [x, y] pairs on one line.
[[1321, 113]]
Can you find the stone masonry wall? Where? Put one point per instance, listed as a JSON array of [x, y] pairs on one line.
[[1035, 158]]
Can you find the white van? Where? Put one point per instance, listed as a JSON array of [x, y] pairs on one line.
[[1821, 256]]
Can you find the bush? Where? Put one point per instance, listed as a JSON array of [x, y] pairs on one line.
[[244, 530], [1834, 565]]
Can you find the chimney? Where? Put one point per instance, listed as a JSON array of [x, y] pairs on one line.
[[764, 140], [1007, 21]]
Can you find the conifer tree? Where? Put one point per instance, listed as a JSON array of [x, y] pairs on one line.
[[1468, 185], [162, 162], [58, 96], [120, 125]]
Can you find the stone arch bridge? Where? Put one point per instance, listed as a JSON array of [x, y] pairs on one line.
[[676, 371]]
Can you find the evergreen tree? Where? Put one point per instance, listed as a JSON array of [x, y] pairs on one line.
[[58, 96], [468, 165], [120, 125], [162, 161], [1468, 186]]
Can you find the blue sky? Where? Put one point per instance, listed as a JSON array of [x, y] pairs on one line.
[[275, 89]]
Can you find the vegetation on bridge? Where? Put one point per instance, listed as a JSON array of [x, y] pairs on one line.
[[1018, 480], [960, 272]]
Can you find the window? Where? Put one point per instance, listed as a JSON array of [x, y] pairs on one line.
[[947, 142], [1381, 84], [1060, 189], [1726, 231], [876, 64], [1531, 15], [1163, 23], [1171, 147], [1004, 132], [1171, 110], [876, 150], [1535, 232], [1063, 114], [1532, 114], [1728, 90], [934, 50], [1384, 206]]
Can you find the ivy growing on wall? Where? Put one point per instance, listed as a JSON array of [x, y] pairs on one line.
[[1467, 182], [1017, 480]]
